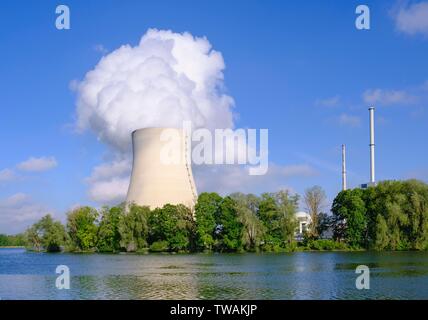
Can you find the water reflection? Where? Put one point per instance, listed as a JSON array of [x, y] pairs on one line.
[[324, 275]]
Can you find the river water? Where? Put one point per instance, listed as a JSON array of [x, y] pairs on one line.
[[303, 275]]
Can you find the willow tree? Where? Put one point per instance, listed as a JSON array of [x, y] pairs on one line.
[[277, 213], [247, 206], [133, 228], [108, 237], [46, 234], [82, 228], [287, 207], [314, 199]]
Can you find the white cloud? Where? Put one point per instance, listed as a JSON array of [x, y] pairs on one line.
[[38, 164], [7, 175], [32, 164], [15, 199], [108, 183], [233, 178], [112, 191], [328, 102], [109, 170], [349, 120], [19, 211], [388, 97], [166, 79], [412, 19]]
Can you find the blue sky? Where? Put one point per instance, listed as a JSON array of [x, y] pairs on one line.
[[300, 69]]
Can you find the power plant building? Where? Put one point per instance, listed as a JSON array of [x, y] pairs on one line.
[[161, 171]]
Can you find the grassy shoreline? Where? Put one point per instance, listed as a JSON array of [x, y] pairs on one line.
[[145, 252], [148, 252], [11, 247]]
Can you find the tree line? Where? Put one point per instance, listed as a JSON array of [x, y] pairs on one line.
[[225, 224], [17, 240], [392, 215]]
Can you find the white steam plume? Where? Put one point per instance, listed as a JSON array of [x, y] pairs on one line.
[[166, 79]]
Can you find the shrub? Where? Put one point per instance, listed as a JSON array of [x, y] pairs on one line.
[[324, 244], [159, 246]]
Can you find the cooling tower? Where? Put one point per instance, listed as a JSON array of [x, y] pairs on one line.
[[157, 177]]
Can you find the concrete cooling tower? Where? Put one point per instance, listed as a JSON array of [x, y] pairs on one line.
[[154, 181]]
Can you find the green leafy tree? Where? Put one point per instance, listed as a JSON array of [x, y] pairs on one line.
[[229, 229], [382, 238], [17, 240], [253, 230], [350, 220], [396, 220], [82, 228], [47, 234], [133, 228], [270, 217], [392, 215], [34, 238], [207, 211], [416, 208], [277, 213], [173, 224], [4, 240], [108, 238], [391, 201], [287, 207]]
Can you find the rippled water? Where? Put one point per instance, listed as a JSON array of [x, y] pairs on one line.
[[305, 275]]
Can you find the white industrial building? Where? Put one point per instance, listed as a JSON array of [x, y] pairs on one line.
[[304, 220]]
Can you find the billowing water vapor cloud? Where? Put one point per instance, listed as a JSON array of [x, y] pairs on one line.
[[166, 79]]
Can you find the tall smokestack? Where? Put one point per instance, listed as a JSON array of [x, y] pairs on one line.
[[372, 146], [343, 167]]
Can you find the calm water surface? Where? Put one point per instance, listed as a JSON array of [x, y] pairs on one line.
[[305, 275]]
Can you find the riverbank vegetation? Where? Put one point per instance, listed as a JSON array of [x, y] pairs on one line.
[[18, 240], [390, 216], [234, 223]]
